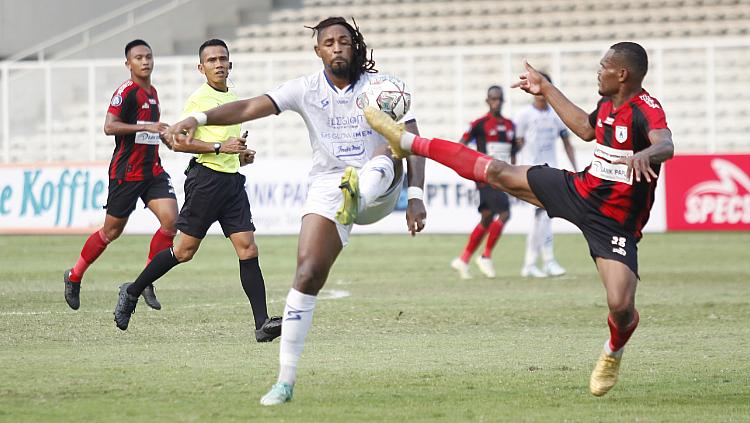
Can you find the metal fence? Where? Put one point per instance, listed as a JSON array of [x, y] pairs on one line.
[[54, 111]]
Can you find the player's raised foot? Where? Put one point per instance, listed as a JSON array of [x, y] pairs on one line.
[[125, 307], [347, 213], [462, 267], [532, 272], [387, 127], [149, 295], [270, 330], [485, 266], [604, 376], [280, 393], [72, 291], [553, 268]]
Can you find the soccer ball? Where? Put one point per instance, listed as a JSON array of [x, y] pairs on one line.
[[387, 93]]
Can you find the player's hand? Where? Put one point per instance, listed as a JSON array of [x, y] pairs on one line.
[[158, 127], [233, 145], [186, 127], [247, 157], [640, 164], [167, 140], [416, 216], [529, 81]]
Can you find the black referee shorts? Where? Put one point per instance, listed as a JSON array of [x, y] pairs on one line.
[[492, 199], [123, 195], [212, 196], [606, 237]]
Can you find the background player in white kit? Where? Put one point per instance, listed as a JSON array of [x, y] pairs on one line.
[[537, 129], [353, 178]]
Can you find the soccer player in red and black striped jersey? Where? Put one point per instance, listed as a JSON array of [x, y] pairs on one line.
[[494, 135], [134, 172], [609, 201]]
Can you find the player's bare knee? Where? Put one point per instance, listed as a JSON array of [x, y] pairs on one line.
[[504, 216], [248, 252], [183, 254], [621, 311], [501, 175], [112, 233], [309, 278]]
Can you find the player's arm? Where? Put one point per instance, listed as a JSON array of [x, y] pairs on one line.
[[113, 125], [415, 210], [661, 150], [231, 145], [573, 116], [227, 114]]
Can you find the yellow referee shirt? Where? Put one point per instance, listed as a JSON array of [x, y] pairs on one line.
[[205, 98]]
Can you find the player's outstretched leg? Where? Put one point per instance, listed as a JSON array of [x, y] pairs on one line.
[[465, 161], [72, 291]]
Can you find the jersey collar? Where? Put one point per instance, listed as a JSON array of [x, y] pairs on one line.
[[336, 89]]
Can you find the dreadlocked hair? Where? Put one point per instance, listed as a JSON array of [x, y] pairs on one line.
[[360, 62]]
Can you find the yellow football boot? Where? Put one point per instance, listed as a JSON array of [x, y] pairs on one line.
[[604, 376], [387, 127]]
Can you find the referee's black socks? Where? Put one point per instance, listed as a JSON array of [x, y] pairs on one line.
[[255, 289], [162, 262]]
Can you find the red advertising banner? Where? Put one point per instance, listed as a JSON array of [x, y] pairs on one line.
[[708, 192]]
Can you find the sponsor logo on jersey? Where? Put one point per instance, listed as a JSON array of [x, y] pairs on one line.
[[145, 106], [609, 120]]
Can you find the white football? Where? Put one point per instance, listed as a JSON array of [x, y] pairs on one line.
[[387, 93]]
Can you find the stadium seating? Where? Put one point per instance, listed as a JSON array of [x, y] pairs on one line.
[[449, 52]]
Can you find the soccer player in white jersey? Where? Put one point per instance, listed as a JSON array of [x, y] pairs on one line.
[[538, 128], [353, 178]]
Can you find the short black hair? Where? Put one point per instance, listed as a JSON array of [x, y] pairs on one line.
[[135, 43], [634, 57], [360, 62], [212, 42], [495, 87]]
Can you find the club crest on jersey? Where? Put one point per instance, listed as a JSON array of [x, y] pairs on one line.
[[621, 134], [116, 100]]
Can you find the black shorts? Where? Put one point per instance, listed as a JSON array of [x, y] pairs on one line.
[[492, 199], [123, 195], [606, 237], [212, 196]]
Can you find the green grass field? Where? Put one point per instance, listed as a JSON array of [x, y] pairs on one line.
[[410, 343]]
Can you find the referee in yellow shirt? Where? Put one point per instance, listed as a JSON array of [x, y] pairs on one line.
[[214, 191]]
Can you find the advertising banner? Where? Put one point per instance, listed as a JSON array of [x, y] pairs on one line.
[[708, 192]]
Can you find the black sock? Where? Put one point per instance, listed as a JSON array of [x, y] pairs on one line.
[[255, 289], [160, 264]]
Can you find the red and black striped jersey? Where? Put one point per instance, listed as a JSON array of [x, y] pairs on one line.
[[494, 136], [621, 133], [136, 155]]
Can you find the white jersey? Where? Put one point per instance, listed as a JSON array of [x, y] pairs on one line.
[[540, 130], [339, 134]]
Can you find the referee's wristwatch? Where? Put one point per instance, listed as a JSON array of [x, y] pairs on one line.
[[217, 147]]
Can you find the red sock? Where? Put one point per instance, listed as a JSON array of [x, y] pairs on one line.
[[161, 240], [619, 337], [92, 249], [465, 161], [495, 229], [474, 240]]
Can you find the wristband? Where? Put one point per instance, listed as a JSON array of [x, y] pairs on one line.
[[414, 193], [200, 117]]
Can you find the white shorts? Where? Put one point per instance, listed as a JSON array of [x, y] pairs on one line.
[[324, 198]]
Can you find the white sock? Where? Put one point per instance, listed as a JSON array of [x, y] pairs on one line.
[[544, 224], [407, 139], [531, 255], [374, 179], [298, 314], [611, 353], [532, 241]]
